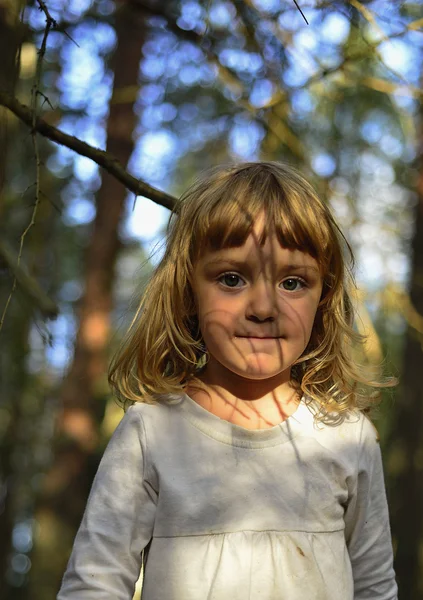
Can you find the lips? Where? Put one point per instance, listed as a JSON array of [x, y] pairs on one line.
[[260, 337]]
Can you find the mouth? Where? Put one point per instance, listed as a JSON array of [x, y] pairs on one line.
[[260, 337]]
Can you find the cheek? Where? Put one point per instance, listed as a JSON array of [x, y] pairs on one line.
[[218, 323], [218, 315], [297, 318], [310, 313], [310, 326]]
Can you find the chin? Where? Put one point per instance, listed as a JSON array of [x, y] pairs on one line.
[[260, 376], [260, 371]]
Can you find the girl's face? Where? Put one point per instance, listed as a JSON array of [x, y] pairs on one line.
[[256, 307]]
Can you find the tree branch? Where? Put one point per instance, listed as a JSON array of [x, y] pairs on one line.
[[50, 21], [28, 284], [102, 158]]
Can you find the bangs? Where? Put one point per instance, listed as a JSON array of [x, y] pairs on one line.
[[230, 209]]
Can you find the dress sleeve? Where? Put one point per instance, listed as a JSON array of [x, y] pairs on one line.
[[367, 527], [118, 521]]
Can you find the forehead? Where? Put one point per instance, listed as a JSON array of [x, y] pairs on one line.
[[261, 252], [223, 212]]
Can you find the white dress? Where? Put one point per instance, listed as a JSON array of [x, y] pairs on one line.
[[294, 512]]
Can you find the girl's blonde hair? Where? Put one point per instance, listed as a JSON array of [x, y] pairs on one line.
[[162, 350]]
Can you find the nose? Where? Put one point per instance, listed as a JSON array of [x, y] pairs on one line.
[[262, 305]]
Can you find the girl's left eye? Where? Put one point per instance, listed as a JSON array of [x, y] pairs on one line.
[[231, 280], [292, 282]]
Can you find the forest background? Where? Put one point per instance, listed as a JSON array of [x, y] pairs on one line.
[[108, 109]]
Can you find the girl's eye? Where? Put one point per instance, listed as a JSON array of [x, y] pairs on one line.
[[230, 280], [290, 284]]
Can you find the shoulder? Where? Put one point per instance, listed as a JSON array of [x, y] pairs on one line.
[[158, 410], [348, 435], [356, 424], [156, 418]]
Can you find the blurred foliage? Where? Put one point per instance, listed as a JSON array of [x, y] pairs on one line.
[[218, 81]]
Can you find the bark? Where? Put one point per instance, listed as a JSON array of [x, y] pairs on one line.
[[10, 40], [405, 448], [10, 364], [84, 389], [13, 377]]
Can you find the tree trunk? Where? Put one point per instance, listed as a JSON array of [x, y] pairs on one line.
[[405, 448], [84, 391], [10, 40], [11, 363]]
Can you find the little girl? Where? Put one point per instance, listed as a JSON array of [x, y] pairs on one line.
[[245, 468]]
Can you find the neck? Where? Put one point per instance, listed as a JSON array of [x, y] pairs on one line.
[[254, 404]]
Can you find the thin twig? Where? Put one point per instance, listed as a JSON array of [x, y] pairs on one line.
[[50, 22], [303, 15], [49, 19]]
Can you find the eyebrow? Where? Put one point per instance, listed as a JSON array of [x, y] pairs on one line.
[[241, 263]]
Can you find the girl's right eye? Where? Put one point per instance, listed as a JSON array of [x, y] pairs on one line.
[[230, 280]]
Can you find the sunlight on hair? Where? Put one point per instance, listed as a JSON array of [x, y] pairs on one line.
[[163, 349]]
